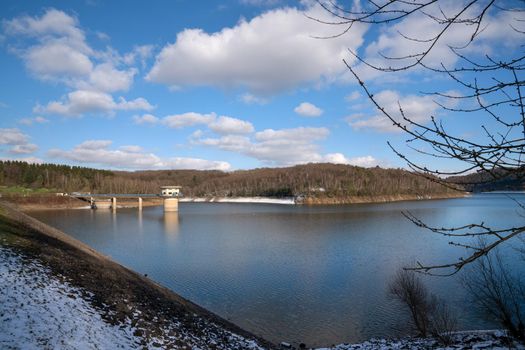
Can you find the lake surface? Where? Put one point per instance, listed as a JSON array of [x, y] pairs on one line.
[[316, 275]]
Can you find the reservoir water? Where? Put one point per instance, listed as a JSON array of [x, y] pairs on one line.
[[312, 274]]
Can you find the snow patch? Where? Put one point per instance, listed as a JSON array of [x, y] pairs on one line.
[[37, 311]]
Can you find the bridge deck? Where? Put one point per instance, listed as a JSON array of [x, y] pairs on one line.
[[116, 195]]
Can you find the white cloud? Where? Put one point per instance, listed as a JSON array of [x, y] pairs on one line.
[[102, 36], [13, 137], [195, 163], [420, 109], [339, 158], [140, 53], [18, 140], [61, 51], [104, 77], [98, 153], [353, 96], [55, 49], [52, 23], [145, 119], [56, 60], [221, 125], [272, 52], [95, 144], [252, 99], [274, 147], [82, 102], [188, 119], [131, 149], [496, 32], [31, 121], [24, 149], [228, 125], [306, 109]]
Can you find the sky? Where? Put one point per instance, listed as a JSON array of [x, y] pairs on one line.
[[228, 85]]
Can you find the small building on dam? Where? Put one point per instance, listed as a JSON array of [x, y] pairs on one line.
[[170, 191], [171, 196]]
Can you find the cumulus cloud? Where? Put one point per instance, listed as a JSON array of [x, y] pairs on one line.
[[228, 125], [273, 147], [61, 48], [272, 52], [178, 121], [104, 77], [220, 125], [131, 149], [82, 102], [53, 22], [18, 141], [54, 48], [497, 31], [339, 158], [13, 137], [95, 144], [139, 53], [145, 119], [306, 109], [417, 108], [99, 153], [54, 60], [24, 149], [31, 121]]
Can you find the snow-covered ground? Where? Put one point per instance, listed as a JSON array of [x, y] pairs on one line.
[[474, 340], [265, 200], [41, 311], [37, 311]]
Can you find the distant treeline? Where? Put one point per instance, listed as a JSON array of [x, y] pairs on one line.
[[311, 180], [497, 180]]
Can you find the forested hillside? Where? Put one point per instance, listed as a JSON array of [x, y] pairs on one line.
[[498, 180], [311, 180]]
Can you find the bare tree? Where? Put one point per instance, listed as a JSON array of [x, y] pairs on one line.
[[498, 293], [430, 315], [488, 86]]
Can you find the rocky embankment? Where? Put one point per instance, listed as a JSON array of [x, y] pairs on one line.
[[379, 199]]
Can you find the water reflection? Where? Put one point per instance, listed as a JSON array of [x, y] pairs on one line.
[[114, 220], [139, 221], [171, 222]]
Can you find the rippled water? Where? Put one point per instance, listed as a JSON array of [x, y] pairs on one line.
[[316, 275]]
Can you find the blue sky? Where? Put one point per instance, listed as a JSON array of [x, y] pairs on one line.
[[206, 85]]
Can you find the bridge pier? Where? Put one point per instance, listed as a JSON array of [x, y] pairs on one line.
[[171, 204], [140, 203], [114, 203], [102, 204]]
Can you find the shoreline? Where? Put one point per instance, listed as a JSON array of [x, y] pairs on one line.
[[33, 203], [117, 292], [134, 308]]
